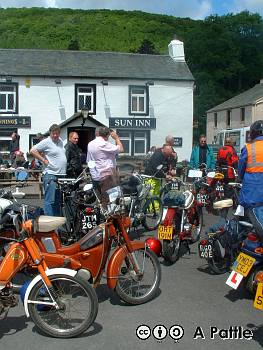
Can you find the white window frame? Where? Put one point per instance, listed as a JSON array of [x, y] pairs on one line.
[[87, 94], [140, 138], [137, 96], [126, 138], [13, 93]]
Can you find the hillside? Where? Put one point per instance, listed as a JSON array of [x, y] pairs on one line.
[[224, 53]]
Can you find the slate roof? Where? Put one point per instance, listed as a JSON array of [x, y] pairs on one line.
[[78, 115], [59, 63], [248, 97]]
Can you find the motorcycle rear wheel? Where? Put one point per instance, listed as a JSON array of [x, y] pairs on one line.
[[153, 210], [80, 307], [250, 282], [137, 290], [171, 249]]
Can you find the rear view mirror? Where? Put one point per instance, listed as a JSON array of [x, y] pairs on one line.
[[159, 167]]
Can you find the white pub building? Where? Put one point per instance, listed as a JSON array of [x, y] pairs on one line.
[[144, 97]]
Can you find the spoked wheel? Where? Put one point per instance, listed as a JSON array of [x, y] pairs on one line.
[[171, 248], [153, 210], [196, 221], [138, 289], [78, 306]]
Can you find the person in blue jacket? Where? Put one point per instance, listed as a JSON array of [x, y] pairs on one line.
[[250, 172], [202, 154]]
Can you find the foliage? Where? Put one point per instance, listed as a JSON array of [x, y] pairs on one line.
[[224, 53]]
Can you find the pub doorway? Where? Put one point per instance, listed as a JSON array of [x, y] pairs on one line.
[[86, 134]]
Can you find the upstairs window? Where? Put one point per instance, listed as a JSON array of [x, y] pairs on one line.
[[138, 100], [8, 98], [228, 118], [215, 120], [242, 115], [85, 96]]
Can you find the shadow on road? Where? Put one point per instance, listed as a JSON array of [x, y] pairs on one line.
[[257, 332], [237, 294], [7, 325], [104, 293], [94, 329]]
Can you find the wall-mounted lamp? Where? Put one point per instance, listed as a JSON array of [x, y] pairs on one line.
[[8, 79], [150, 82], [85, 114], [104, 82]]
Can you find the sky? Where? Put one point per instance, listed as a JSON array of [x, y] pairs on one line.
[[195, 9]]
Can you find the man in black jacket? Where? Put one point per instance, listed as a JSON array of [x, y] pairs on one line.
[[73, 154]]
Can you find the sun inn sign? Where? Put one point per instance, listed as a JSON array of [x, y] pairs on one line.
[[132, 123]]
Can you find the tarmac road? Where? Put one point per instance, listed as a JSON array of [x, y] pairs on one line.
[[190, 299]]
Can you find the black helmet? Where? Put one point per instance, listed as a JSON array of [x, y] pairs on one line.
[[256, 129]]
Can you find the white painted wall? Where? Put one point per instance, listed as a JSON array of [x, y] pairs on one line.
[[172, 102]]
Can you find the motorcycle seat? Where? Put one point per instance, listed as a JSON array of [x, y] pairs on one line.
[[49, 223]]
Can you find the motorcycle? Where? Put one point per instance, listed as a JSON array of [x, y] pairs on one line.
[[209, 187], [223, 243], [142, 206], [248, 267], [54, 297], [182, 219], [133, 270]]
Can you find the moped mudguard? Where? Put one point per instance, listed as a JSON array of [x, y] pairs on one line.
[[113, 268], [49, 272]]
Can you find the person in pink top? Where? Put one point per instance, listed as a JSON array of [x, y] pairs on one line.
[[103, 153]]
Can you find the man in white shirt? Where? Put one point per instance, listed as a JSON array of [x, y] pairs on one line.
[[51, 153]]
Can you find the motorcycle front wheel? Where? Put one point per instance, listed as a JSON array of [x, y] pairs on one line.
[[171, 249], [139, 289], [153, 210], [78, 306], [196, 221]]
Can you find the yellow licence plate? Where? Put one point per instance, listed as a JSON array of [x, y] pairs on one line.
[[165, 232], [243, 264]]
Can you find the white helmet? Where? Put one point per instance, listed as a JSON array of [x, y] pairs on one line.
[[189, 199]]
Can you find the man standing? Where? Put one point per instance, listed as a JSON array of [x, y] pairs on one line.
[[104, 153], [73, 154], [250, 171], [172, 160], [202, 154], [227, 157], [51, 153], [14, 146]]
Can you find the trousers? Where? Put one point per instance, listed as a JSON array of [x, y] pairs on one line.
[[52, 199]]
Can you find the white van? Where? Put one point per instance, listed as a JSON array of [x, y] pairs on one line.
[[239, 137]]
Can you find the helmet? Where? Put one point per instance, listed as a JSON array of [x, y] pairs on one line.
[[155, 245], [189, 199], [256, 129]]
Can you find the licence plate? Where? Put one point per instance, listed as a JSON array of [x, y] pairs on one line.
[[165, 232], [89, 221], [205, 251], [258, 301], [243, 264]]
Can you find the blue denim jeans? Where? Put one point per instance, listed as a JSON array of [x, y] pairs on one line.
[[52, 201]]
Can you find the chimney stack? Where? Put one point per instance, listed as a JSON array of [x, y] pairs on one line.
[[176, 50]]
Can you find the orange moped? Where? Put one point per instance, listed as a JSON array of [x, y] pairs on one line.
[[132, 269], [59, 301]]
